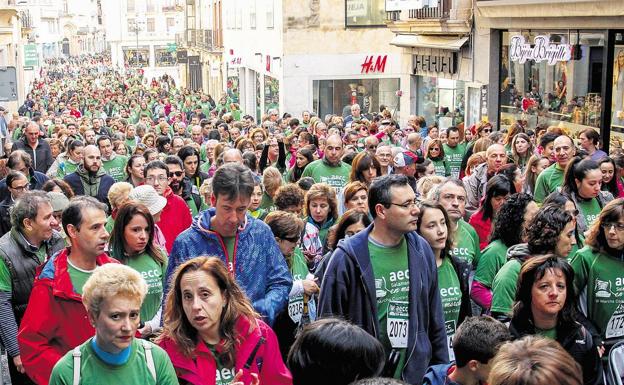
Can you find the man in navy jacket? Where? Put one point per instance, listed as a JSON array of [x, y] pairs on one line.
[[384, 279]]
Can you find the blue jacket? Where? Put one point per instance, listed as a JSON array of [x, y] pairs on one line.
[[438, 375], [348, 291], [260, 268], [37, 180]]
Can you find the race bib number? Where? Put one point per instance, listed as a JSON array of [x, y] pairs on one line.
[[450, 333], [295, 309], [615, 326], [398, 323]]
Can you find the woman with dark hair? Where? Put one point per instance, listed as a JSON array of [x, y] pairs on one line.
[[163, 145], [150, 155], [132, 243], [426, 168], [190, 159], [453, 273], [435, 153], [550, 232], [521, 150], [134, 170], [582, 181], [58, 185], [68, 161], [273, 154], [334, 351], [546, 305], [364, 168], [515, 175], [304, 157], [497, 190], [609, 179], [301, 309], [212, 332], [598, 271], [512, 218]]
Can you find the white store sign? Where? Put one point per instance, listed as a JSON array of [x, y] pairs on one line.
[[542, 50], [357, 8]]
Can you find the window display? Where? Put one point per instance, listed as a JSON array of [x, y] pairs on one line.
[[439, 97], [337, 96], [551, 78], [165, 57], [134, 57]]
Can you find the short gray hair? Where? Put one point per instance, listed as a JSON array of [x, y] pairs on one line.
[[435, 194], [27, 207], [232, 180]]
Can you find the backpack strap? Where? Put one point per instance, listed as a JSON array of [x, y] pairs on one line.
[[149, 359], [76, 354]]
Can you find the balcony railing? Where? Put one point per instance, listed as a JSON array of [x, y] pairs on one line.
[[26, 19], [199, 38], [441, 11]]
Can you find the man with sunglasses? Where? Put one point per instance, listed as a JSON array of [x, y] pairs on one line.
[[384, 279], [182, 186]]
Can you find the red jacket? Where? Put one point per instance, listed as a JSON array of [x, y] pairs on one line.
[[201, 368], [175, 218], [55, 320], [482, 227]]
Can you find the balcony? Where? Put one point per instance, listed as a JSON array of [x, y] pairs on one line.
[[439, 19], [197, 38], [26, 20]]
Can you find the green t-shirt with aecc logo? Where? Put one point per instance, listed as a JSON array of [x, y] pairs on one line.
[[466, 243], [451, 296], [441, 167], [154, 274], [116, 167], [454, 157], [504, 287], [337, 177], [391, 272], [223, 375], [602, 278], [299, 271], [590, 209]]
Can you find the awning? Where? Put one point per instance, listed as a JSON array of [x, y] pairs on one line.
[[452, 43]]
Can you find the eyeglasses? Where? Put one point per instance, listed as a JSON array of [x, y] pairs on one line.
[[21, 188], [176, 173], [407, 205], [435, 149], [609, 225], [487, 130], [371, 147], [160, 179]]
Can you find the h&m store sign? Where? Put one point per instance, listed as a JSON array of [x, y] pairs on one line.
[[441, 62]]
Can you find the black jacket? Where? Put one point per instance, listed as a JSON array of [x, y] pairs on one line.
[[463, 269], [36, 181], [348, 291], [575, 339], [41, 156]]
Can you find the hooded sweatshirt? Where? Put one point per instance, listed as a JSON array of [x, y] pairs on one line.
[[85, 183], [505, 281]]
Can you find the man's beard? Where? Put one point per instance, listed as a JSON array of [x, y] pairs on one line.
[[175, 185], [332, 164]]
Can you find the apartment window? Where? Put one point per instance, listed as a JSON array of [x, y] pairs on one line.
[[170, 24], [365, 13], [130, 6], [151, 24], [252, 16], [270, 14]]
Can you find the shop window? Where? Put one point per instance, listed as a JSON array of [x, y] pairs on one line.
[[271, 93], [365, 13], [233, 90], [617, 100], [560, 87], [134, 57], [337, 96], [164, 57], [440, 100]]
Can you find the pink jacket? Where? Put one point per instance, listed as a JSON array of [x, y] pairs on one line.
[[201, 368]]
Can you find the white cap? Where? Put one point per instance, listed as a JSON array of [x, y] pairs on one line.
[[149, 197]]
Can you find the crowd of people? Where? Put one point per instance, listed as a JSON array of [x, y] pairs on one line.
[[153, 235]]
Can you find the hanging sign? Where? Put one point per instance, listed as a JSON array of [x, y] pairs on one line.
[[542, 50]]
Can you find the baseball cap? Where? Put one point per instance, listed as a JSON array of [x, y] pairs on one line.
[[146, 195], [405, 158]]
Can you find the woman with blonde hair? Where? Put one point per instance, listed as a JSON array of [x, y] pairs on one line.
[[212, 333], [117, 196], [113, 296]]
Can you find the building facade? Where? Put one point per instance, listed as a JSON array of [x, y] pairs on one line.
[[141, 34], [82, 27], [553, 63]]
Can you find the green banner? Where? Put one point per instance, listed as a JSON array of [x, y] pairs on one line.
[[172, 47], [31, 56]]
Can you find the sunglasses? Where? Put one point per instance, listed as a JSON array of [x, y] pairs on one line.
[[176, 173]]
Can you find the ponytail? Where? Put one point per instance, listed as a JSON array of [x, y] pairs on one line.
[[577, 169]]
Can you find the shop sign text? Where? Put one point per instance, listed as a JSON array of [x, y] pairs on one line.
[[542, 50], [372, 64], [445, 62]]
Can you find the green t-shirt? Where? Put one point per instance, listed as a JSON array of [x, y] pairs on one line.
[[78, 276], [466, 243], [454, 157], [110, 223], [601, 277], [451, 295], [441, 167], [134, 372], [548, 181], [548, 333], [590, 210], [153, 273], [65, 168], [492, 259], [223, 376], [299, 271], [116, 167], [504, 287], [337, 177], [230, 245], [267, 202], [391, 272]]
